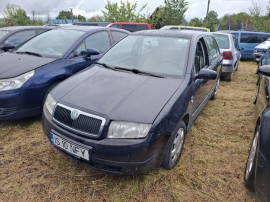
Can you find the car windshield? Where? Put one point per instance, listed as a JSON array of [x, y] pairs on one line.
[[3, 33], [166, 56], [53, 43], [222, 41]]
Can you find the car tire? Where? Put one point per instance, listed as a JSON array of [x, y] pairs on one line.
[[174, 147], [48, 91], [228, 77], [249, 175], [214, 96]]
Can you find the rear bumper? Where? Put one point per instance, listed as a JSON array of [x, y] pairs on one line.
[[119, 156], [227, 69]]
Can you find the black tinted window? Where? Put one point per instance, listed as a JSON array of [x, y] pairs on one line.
[[99, 41], [20, 37], [250, 38], [134, 28], [117, 36], [116, 26]]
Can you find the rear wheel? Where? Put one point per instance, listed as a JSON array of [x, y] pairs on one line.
[[214, 96], [228, 77], [251, 162], [174, 148]]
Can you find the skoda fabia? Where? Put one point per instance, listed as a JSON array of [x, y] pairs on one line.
[[131, 111]]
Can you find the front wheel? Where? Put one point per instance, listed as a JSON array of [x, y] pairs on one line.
[[174, 148], [251, 162]]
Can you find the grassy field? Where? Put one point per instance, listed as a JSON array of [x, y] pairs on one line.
[[210, 169]]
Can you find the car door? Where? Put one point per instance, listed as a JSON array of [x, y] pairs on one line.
[[236, 51], [99, 41], [201, 61], [215, 62]]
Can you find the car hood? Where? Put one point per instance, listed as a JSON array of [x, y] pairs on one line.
[[263, 45], [119, 95], [13, 64]]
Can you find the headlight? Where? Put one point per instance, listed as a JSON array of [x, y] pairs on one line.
[[120, 129], [15, 83], [255, 50], [50, 103]]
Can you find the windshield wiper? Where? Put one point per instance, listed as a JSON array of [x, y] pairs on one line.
[[105, 65], [136, 71], [30, 53]]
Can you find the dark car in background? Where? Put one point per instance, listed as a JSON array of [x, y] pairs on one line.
[[231, 54], [257, 172], [101, 24], [28, 74], [12, 37], [131, 111], [130, 26]]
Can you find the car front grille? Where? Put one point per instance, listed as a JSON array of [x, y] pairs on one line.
[[84, 124], [7, 110]]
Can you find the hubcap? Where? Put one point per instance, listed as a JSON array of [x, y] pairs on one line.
[[177, 145], [251, 156]]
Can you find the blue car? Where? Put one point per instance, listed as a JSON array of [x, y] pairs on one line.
[[131, 111], [33, 69]]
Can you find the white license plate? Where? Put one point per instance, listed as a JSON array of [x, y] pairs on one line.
[[70, 147]]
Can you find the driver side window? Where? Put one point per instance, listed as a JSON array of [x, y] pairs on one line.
[[200, 57]]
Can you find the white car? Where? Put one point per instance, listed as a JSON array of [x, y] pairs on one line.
[[260, 49]]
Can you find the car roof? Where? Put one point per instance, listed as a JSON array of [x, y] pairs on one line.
[[222, 33], [89, 28], [18, 28], [172, 33]]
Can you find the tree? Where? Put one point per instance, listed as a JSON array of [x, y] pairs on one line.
[[96, 18], [15, 15], [211, 21], [69, 15], [80, 17], [65, 15], [125, 12], [155, 20], [196, 22], [174, 12]]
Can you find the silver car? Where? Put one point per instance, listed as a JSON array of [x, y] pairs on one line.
[[229, 48]]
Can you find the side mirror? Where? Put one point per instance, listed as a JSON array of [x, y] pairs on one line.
[[264, 70], [7, 47], [206, 74], [90, 52]]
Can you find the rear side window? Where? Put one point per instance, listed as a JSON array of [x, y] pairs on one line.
[[235, 35], [20, 37], [134, 28], [222, 41], [250, 38], [212, 47], [235, 43], [117, 36], [99, 41]]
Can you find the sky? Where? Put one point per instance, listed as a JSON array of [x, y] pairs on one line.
[[88, 8]]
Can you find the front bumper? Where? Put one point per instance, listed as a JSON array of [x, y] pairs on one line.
[[120, 156]]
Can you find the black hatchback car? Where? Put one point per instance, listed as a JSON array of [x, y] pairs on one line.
[[257, 172], [131, 111], [12, 37]]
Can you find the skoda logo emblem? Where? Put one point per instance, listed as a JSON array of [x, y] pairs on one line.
[[74, 114]]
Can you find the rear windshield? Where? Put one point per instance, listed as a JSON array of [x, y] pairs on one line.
[[134, 28], [222, 41]]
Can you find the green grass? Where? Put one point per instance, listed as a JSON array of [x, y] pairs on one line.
[[210, 169]]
